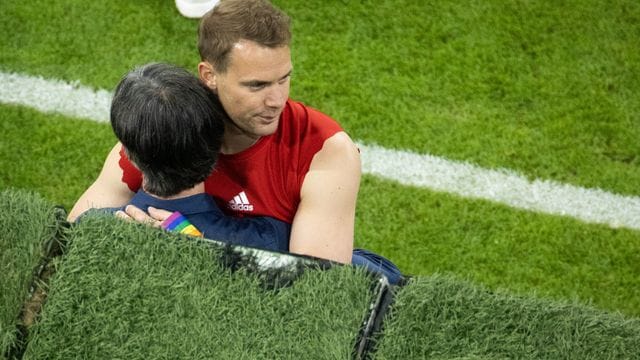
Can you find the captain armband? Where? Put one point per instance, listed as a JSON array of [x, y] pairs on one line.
[[178, 223]]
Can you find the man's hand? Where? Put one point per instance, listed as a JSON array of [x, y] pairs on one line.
[[154, 218]]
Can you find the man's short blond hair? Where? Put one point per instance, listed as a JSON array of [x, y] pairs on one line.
[[233, 20]]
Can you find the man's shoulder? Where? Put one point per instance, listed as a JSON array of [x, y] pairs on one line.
[[301, 118], [296, 109]]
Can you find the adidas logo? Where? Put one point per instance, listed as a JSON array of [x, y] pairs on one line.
[[240, 202]]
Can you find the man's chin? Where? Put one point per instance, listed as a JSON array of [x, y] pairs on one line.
[[267, 129]]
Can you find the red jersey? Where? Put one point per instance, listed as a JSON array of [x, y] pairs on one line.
[[265, 179]]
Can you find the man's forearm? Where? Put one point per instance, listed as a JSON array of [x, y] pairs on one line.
[[107, 191], [95, 198]]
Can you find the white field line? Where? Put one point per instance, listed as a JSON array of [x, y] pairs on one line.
[[56, 96], [419, 170], [501, 186]]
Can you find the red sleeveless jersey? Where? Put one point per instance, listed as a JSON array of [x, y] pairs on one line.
[[265, 179]]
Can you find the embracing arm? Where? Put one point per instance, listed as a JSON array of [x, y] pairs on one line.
[[324, 222], [107, 191]]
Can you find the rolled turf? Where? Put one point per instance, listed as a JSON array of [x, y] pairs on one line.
[[28, 224], [440, 317], [127, 291]]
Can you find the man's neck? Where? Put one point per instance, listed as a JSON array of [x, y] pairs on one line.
[[235, 142], [198, 189]]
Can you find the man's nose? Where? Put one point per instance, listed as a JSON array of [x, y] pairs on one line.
[[277, 95]]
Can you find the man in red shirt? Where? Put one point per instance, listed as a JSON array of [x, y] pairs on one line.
[[280, 157]]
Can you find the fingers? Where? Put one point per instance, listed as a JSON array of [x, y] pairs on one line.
[[140, 216], [154, 218], [159, 214], [123, 215]]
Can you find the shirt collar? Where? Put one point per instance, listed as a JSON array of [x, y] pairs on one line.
[[189, 205]]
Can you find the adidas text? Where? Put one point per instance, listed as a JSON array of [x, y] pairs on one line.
[[241, 207], [240, 202]]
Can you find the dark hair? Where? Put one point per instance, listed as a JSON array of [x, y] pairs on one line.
[[170, 124], [233, 20]]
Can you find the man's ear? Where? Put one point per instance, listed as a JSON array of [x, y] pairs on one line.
[[208, 75]]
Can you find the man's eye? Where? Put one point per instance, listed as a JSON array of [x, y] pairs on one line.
[[256, 87], [284, 79]]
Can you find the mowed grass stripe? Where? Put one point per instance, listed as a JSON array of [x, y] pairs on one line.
[[408, 168]]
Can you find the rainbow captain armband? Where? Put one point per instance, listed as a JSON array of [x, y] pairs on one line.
[[178, 223]]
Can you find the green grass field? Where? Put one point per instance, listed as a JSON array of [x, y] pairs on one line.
[[546, 89]]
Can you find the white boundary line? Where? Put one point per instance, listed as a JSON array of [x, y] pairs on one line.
[[73, 100], [502, 186], [419, 170]]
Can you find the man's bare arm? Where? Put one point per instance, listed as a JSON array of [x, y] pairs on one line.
[[107, 191], [324, 222]]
